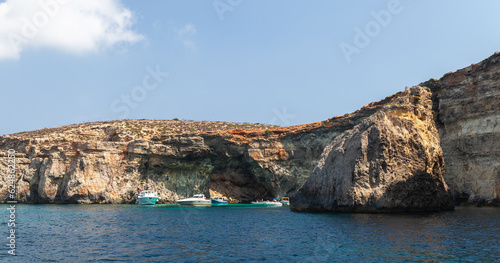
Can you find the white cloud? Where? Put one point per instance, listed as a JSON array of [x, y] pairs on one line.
[[187, 30], [185, 35], [75, 26]]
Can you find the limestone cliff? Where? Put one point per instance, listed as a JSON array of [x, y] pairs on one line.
[[467, 106], [107, 162], [392, 161]]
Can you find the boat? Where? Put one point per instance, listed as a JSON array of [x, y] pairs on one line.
[[197, 200], [285, 201], [218, 200], [147, 197], [267, 203]]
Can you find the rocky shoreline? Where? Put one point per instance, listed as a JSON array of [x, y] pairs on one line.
[[392, 161], [455, 156]]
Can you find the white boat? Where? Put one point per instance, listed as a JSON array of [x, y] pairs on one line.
[[267, 203], [146, 197], [197, 200], [219, 200]]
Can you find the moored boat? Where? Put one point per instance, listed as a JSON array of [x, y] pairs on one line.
[[196, 200], [267, 203], [218, 200], [146, 197]]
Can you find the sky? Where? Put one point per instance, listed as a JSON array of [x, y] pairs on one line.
[[275, 62]]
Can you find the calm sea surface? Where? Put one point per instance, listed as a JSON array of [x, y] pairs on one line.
[[242, 233]]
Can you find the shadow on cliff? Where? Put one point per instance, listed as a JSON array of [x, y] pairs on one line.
[[419, 193]]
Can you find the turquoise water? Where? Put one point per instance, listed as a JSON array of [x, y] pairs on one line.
[[243, 233]]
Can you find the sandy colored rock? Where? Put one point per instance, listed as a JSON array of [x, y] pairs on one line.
[[107, 162], [467, 107], [392, 161]]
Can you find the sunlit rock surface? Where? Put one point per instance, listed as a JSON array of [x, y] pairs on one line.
[[467, 106], [107, 162], [392, 161]]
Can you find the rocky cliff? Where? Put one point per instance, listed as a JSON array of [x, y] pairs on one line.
[[467, 106], [466, 111], [391, 161], [106, 162]]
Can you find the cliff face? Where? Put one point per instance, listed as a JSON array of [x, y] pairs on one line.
[[107, 162], [392, 161], [467, 106]]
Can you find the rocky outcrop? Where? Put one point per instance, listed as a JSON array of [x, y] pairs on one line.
[[391, 161], [467, 106], [107, 162]]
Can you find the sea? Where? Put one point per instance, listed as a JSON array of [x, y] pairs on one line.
[[245, 233]]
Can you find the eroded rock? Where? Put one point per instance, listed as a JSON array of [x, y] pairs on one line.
[[391, 161], [467, 106]]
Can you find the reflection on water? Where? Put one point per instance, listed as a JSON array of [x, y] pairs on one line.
[[79, 233]]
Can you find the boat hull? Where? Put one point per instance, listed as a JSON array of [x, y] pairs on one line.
[[146, 200], [266, 203], [195, 202], [216, 202]]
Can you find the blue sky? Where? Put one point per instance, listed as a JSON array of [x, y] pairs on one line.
[[277, 62]]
